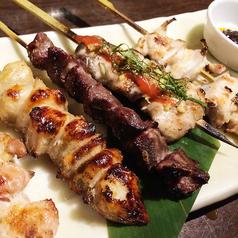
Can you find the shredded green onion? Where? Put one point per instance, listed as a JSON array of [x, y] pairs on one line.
[[105, 70], [129, 60], [207, 74]]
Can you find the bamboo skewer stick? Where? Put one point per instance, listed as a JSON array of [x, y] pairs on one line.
[[11, 34], [108, 5], [46, 18], [73, 36]]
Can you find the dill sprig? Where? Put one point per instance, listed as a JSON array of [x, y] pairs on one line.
[[131, 60]]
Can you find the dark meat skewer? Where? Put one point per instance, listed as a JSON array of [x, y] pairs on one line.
[[143, 138], [52, 22]]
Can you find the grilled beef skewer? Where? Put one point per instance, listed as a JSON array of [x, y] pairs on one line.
[[124, 71], [72, 144], [147, 42], [182, 126], [99, 103], [138, 79], [143, 138]]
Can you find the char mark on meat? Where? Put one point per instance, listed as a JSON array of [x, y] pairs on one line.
[[73, 145], [140, 137], [186, 173]]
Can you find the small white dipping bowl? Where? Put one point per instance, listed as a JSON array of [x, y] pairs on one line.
[[222, 14]]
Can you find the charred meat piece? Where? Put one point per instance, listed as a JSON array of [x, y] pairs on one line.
[[222, 101], [29, 219], [99, 103], [9, 147], [221, 94], [174, 55], [141, 138], [73, 145], [20, 217], [187, 175], [142, 80]]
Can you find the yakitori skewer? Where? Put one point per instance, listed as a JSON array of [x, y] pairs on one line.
[[52, 22], [108, 5], [145, 141], [12, 35]]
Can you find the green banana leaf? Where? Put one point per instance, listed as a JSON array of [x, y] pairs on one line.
[[166, 212]]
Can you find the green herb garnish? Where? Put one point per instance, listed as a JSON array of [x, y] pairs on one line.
[[130, 60]]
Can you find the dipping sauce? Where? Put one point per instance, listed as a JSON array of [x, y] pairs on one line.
[[232, 34]]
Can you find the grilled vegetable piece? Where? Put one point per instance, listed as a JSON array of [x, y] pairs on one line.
[[141, 138], [20, 217], [73, 145]]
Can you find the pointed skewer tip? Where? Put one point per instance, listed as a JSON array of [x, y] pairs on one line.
[[214, 132], [71, 35]]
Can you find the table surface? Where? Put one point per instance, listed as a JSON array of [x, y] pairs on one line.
[[218, 220]]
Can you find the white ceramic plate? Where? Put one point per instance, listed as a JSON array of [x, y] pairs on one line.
[[76, 218]]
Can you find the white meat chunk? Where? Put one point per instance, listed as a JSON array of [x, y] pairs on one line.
[[175, 56], [222, 100], [174, 122]]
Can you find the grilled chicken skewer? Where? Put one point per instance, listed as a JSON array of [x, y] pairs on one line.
[[172, 54], [141, 80], [222, 101], [176, 57], [142, 138], [71, 35], [221, 94], [73, 145], [20, 217], [183, 62]]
